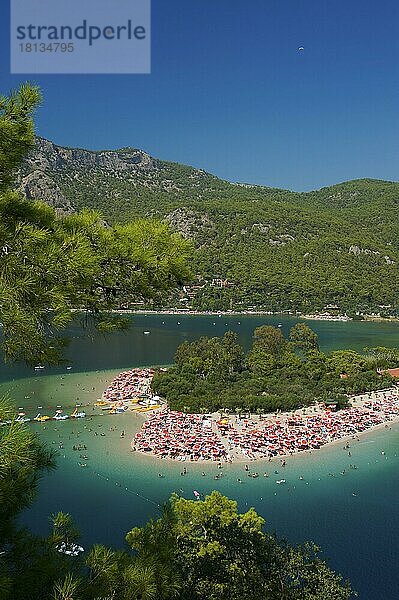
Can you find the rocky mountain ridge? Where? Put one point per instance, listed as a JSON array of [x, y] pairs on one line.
[[278, 249]]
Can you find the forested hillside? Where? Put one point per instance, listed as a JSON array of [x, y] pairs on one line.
[[271, 249]]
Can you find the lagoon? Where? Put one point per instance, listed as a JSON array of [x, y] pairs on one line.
[[353, 517]]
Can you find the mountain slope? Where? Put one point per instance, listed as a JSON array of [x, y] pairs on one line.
[[277, 249]]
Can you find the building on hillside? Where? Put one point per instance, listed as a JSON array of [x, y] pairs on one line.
[[221, 283]]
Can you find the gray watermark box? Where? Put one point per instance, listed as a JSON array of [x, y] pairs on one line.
[[80, 36]]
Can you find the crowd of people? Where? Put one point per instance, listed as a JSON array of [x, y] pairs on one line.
[[171, 434], [196, 437], [130, 384], [295, 432]]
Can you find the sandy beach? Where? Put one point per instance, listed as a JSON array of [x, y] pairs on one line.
[[200, 438]]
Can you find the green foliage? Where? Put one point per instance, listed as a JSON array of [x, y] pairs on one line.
[[221, 554], [51, 264], [381, 357], [211, 357], [29, 564], [346, 362], [271, 377], [304, 338], [16, 130], [22, 461]]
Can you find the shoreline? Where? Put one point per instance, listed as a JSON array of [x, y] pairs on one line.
[[248, 313], [281, 436], [153, 459]]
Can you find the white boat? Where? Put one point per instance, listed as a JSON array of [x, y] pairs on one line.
[[69, 549], [68, 368], [60, 416], [78, 415], [146, 332], [39, 367], [22, 418], [280, 481]]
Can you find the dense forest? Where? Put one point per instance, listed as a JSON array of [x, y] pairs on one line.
[[278, 250], [212, 374]]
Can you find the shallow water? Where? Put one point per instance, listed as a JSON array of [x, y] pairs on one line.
[[353, 517]]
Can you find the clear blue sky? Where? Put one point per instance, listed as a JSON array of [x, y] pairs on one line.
[[230, 93]]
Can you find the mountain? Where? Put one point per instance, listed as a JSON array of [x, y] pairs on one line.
[[256, 246]]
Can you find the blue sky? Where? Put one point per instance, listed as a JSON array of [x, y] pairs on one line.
[[230, 93]]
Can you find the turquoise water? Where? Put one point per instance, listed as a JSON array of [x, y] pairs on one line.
[[353, 517]]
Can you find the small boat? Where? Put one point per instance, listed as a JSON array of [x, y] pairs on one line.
[[78, 415], [60, 416], [196, 494], [69, 368], [146, 332], [280, 481], [39, 367], [21, 418], [41, 419], [280, 325]]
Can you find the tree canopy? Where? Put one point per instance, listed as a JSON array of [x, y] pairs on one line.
[[276, 374], [221, 554], [52, 264]]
